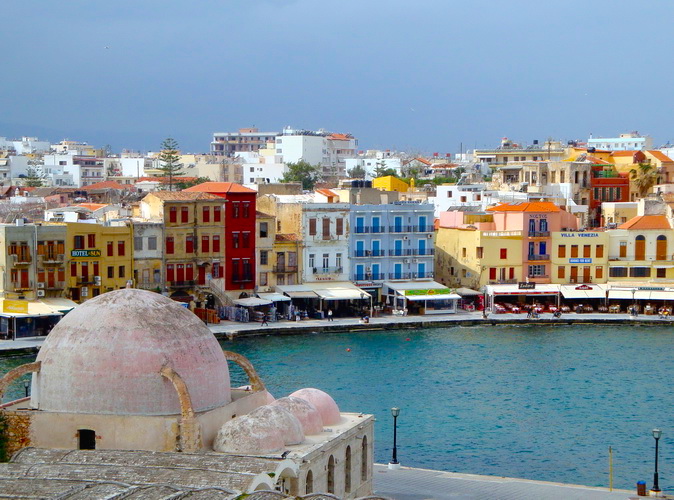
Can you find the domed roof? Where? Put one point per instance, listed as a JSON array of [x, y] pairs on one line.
[[105, 357], [306, 413], [323, 402]]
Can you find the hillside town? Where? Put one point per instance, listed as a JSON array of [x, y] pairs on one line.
[[295, 224]]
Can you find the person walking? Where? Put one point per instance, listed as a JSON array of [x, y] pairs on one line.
[[264, 320], [329, 314]]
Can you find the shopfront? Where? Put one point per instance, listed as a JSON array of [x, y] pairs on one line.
[[522, 297], [420, 297]]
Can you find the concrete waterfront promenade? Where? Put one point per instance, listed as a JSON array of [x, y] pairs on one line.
[[420, 484]]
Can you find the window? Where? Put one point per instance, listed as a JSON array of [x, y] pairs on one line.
[[561, 270], [599, 251], [217, 214], [309, 483], [264, 257], [617, 272], [623, 249], [110, 248], [86, 439], [339, 226], [205, 244], [173, 214], [246, 239], [78, 243], [537, 270], [574, 251], [184, 214], [235, 240], [661, 247], [96, 269], [338, 260], [364, 467], [561, 251], [586, 251], [152, 243], [170, 273], [206, 214], [347, 470], [137, 243], [169, 245], [326, 260], [463, 199], [640, 272], [504, 253], [120, 248], [189, 244], [235, 210], [263, 279], [312, 260], [264, 229], [661, 272], [599, 272], [312, 227], [85, 270], [492, 273], [111, 272], [216, 243], [122, 272], [91, 240], [480, 252], [326, 228], [216, 270], [640, 248], [331, 474], [246, 209]]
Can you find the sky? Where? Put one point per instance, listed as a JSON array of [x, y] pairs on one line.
[[427, 75]]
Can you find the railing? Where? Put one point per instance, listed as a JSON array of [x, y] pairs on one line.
[[369, 229], [502, 282], [52, 258], [21, 286], [539, 234], [577, 279], [285, 269], [540, 276], [57, 285], [428, 274], [148, 285], [181, 284], [538, 257], [399, 252], [423, 229], [399, 276], [241, 279], [369, 253], [422, 251], [405, 252], [327, 270], [369, 277], [501, 234], [400, 229], [22, 258], [86, 280]]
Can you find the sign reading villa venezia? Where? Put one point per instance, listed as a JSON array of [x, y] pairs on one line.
[[431, 291], [85, 253]]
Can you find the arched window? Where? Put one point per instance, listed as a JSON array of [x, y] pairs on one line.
[[331, 474], [347, 470], [661, 248], [640, 248], [363, 459], [310, 483]]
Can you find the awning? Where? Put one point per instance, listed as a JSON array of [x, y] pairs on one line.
[[59, 304], [582, 292], [662, 295], [620, 294], [338, 290], [467, 292], [274, 297], [296, 291], [446, 296], [540, 289], [252, 302], [34, 309]]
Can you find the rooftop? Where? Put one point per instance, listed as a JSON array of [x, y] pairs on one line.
[[530, 206], [646, 222], [219, 187], [183, 196]]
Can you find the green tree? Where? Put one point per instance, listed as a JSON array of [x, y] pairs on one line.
[[169, 160], [188, 184], [34, 176], [356, 172], [644, 177], [303, 172]]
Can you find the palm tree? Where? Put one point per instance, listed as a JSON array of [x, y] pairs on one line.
[[644, 178]]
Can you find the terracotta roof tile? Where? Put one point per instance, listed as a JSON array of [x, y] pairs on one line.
[[659, 155], [220, 187], [92, 206], [106, 185], [327, 192], [183, 196], [646, 222], [624, 153], [165, 180], [532, 206]]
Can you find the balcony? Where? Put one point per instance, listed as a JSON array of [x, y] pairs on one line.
[[241, 279], [52, 258], [369, 253], [369, 229], [285, 269], [582, 279], [423, 229], [539, 234], [400, 229], [422, 251], [88, 280], [181, 284], [22, 259], [502, 282], [21, 287], [400, 276], [399, 252], [369, 277], [148, 285], [57, 285], [425, 275], [327, 270], [538, 257], [540, 276]]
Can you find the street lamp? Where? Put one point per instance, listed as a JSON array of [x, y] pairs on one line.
[[394, 464], [26, 385], [657, 433]]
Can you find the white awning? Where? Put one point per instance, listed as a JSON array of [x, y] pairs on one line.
[[252, 302], [541, 289], [622, 295], [662, 295], [59, 304], [297, 291], [467, 292], [446, 296], [338, 290], [573, 292], [274, 297]]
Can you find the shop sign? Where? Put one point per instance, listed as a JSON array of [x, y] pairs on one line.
[[580, 261], [431, 291], [584, 287], [580, 235], [652, 288], [85, 253], [526, 286], [15, 306]]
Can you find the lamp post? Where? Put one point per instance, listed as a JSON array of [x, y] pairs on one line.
[[394, 464], [657, 433], [26, 385]]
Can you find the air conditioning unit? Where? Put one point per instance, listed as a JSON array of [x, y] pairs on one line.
[[40, 285], [406, 237], [406, 261], [97, 280], [85, 291], [429, 236], [40, 293], [414, 261]]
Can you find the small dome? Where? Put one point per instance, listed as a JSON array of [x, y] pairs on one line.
[[323, 402], [105, 357], [306, 413], [267, 429]]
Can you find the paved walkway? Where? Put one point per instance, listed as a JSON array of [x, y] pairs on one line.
[[18, 347], [423, 484]]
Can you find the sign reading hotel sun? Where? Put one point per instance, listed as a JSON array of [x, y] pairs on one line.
[[85, 253]]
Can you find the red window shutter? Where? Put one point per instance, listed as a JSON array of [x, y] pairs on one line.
[[96, 273], [173, 214], [91, 240], [120, 248], [189, 244], [169, 245], [512, 273], [189, 272], [184, 214], [217, 214], [62, 275], [110, 249], [216, 244], [73, 269], [206, 214], [40, 276], [205, 246], [492, 273], [170, 273]]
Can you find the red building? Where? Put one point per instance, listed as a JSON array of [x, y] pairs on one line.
[[606, 185], [239, 232]]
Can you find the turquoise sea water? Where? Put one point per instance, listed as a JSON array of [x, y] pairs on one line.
[[534, 402]]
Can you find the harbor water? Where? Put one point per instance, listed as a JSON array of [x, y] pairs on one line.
[[537, 402]]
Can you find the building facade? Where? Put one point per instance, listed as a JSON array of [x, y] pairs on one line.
[[245, 140]]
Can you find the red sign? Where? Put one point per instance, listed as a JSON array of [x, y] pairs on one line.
[[584, 287]]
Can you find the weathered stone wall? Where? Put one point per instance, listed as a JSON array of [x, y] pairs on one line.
[[18, 430]]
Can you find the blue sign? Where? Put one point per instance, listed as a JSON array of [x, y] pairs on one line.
[[580, 261]]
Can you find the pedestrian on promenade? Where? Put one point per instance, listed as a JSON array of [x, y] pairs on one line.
[[329, 314], [264, 320]]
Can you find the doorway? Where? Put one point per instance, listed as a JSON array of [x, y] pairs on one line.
[[86, 439]]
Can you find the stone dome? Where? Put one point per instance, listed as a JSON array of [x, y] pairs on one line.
[[306, 413], [267, 429], [105, 357], [323, 402]]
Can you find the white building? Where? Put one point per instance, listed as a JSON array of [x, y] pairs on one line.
[[84, 170], [624, 142], [26, 145], [329, 150], [262, 167], [245, 140], [370, 165], [450, 197], [128, 166]]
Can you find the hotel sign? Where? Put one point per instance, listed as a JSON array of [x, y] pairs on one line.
[[85, 253], [580, 261], [15, 306], [580, 235], [431, 291]]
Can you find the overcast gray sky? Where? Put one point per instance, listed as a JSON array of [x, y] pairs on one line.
[[425, 74]]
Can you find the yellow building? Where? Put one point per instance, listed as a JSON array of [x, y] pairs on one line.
[[579, 257], [264, 246], [390, 183], [194, 238], [619, 212], [286, 260], [99, 259]]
